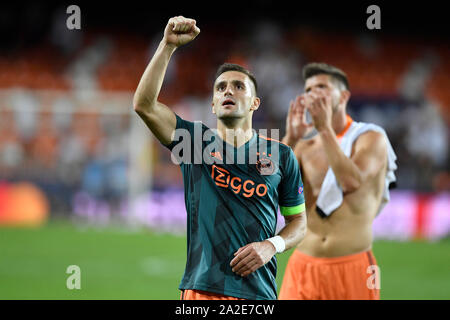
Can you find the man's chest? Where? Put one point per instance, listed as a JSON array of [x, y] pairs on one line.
[[314, 163]]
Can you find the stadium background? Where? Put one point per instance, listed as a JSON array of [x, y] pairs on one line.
[[82, 182]]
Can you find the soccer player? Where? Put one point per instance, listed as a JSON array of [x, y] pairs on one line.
[[347, 167], [231, 206]]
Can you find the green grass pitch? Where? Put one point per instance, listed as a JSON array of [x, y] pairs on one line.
[[119, 264]]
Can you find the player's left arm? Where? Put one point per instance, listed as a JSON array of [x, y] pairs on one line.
[[369, 157], [370, 154], [252, 256], [294, 230]]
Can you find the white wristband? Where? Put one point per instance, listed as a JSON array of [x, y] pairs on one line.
[[278, 243]]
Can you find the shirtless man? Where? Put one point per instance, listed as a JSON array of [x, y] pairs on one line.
[[334, 261]]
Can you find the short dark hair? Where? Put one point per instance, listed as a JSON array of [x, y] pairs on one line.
[[235, 67], [314, 68]]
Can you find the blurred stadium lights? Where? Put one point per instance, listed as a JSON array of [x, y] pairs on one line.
[[67, 126]]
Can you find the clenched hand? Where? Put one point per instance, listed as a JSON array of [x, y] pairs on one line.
[[180, 30]]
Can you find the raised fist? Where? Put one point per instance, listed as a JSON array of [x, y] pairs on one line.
[[180, 30]]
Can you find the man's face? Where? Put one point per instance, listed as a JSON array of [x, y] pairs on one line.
[[322, 83], [233, 96]]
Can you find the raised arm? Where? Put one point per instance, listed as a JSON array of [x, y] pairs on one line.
[[296, 125], [157, 116], [370, 154], [369, 158]]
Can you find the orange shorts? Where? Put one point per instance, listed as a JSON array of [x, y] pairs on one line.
[[341, 278], [204, 295]]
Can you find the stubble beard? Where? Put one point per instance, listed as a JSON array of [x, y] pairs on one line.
[[230, 120]]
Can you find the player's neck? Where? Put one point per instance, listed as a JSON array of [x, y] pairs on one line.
[[236, 133]]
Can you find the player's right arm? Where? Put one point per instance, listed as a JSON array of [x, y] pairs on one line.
[[296, 125], [157, 116]]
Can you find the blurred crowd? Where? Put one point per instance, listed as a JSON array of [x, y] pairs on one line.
[[64, 145], [66, 107]]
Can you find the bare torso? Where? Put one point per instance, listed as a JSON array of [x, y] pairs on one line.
[[347, 230]]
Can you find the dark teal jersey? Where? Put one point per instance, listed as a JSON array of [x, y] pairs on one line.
[[232, 204]]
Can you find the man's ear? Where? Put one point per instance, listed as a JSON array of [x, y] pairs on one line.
[[345, 96], [212, 105], [255, 104]]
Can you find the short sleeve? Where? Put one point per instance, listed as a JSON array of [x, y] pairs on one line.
[[180, 125], [291, 198], [187, 144]]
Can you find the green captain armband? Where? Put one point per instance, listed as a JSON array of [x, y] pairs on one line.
[[287, 211]]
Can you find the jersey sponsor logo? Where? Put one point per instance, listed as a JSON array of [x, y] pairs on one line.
[[300, 190], [247, 188]]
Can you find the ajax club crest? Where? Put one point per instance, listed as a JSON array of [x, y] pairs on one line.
[[265, 166]]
